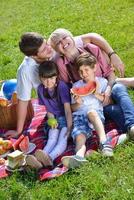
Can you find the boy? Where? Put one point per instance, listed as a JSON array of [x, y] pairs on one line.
[[87, 111]]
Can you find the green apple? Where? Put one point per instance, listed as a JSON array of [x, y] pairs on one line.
[[51, 122]]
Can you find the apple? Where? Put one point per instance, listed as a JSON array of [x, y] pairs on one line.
[[2, 150], [51, 122], [1, 140], [7, 144], [2, 161]]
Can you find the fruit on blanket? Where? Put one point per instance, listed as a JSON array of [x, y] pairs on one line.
[[2, 161], [51, 122], [9, 87], [7, 144], [3, 102], [24, 144], [1, 141], [2, 150], [89, 88], [16, 144]]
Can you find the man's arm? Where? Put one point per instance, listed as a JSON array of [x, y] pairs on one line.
[[103, 44], [21, 116]]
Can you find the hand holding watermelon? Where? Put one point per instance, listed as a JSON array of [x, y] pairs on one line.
[[78, 99]]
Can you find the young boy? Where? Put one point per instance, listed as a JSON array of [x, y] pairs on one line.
[[87, 111]]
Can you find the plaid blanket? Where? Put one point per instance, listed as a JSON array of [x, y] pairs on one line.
[[36, 134]]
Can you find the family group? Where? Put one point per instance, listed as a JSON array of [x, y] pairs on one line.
[[52, 67]]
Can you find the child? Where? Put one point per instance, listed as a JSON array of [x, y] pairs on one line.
[[55, 95], [88, 111]]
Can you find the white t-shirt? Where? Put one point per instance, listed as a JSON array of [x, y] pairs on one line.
[[90, 102], [27, 75], [27, 78]]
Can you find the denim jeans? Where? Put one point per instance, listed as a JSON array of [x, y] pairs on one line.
[[114, 113], [123, 112]]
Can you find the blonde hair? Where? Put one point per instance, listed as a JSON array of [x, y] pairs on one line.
[[57, 35], [86, 59]]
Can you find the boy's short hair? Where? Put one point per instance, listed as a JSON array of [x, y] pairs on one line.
[[85, 59], [56, 35], [30, 42]]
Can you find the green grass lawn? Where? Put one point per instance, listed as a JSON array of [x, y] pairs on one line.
[[101, 178]]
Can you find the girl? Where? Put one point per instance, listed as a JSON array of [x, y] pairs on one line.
[[55, 96]]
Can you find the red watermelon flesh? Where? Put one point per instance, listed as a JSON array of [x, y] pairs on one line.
[[17, 142], [24, 145], [85, 90]]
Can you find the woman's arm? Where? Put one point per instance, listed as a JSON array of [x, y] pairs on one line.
[[103, 44]]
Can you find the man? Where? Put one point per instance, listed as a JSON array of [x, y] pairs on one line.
[[36, 49]]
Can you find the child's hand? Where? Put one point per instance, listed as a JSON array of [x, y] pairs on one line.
[[107, 98], [54, 126], [78, 99], [101, 97]]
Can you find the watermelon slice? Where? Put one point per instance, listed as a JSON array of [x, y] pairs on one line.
[[17, 142], [85, 90], [24, 144]]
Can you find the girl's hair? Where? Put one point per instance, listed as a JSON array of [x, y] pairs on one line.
[[56, 36], [48, 69], [85, 59]]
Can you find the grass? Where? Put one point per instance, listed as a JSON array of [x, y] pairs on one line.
[[101, 178]]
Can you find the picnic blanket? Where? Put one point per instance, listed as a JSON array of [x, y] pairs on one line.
[[35, 131]]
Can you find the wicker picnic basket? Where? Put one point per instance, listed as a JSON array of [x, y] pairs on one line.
[[8, 115]]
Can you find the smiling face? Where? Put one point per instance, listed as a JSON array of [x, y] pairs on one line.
[[49, 83], [62, 41], [64, 45], [87, 73]]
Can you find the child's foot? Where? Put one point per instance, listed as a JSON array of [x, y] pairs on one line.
[[73, 161], [107, 150], [32, 162], [43, 158]]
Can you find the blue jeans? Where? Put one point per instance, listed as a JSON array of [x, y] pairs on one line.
[[114, 113], [123, 111]]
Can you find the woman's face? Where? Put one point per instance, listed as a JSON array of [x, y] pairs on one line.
[[65, 45], [49, 83]]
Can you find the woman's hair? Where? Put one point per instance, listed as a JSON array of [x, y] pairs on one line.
[[30, 42], [48, 69], [56, 36], [85, 59]]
